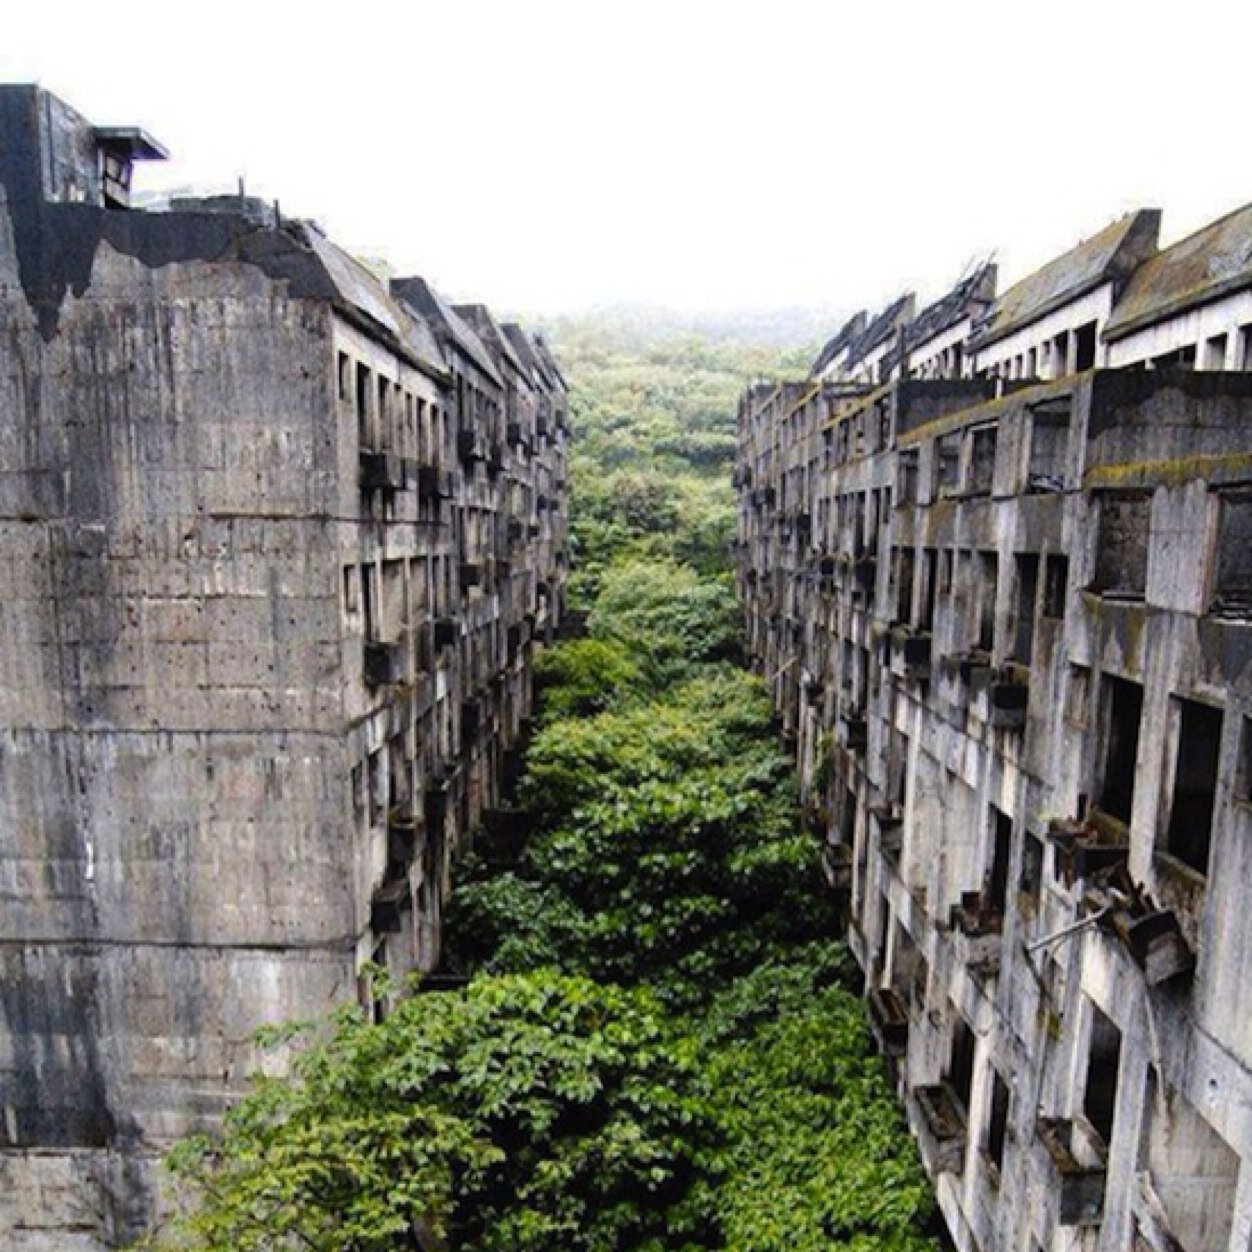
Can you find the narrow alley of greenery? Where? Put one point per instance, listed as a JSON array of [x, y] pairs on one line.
[[660, 1046]]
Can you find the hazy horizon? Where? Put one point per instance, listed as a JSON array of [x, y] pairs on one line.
[[559, 157]]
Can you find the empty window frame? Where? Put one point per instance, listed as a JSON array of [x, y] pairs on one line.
[[1215, 353], [1122, 546], [1232, 589], [882, 416], [1031, 878], [369, 603], [1078, 696], [930, 590], [1027, 570], [988, 582], [1198, 730], [904, 564], [363, 406], [906, 477], [1123, 711], [1049, 441], [1104, 1058], [1085, 347], [982, 459], [997, 880], [1059, 346], [998, 1120], [1055, 586], [898, 770], [351, 590], [948, 465], [961, 1060]]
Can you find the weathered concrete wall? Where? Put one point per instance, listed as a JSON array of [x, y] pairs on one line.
[[920, 576], [265, 643]]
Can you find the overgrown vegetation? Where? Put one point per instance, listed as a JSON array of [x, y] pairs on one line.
[[655, 420], [659, 1050]]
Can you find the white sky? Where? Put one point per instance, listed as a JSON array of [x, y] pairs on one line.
[[547, 154]]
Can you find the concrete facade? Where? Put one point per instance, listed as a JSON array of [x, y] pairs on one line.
[[1006, 623], [277, 541]]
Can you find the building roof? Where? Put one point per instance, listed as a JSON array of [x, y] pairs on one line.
[[881, 327], [1111, 255], [132, 142], [448, 324], [527, 349], [833, 346], [1212, 263], [977, 288], [489, 333], [359, 288]]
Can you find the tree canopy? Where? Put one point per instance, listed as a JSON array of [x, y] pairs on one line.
[[659, 1048]]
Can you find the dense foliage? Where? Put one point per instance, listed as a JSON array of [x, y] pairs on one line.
[[659, 1050], [519, 1115], [655, 441]]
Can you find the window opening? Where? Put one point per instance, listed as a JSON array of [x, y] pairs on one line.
[[1085, 347], [1001, 852], [1122, 546], [1124, 704], [961, 1060], [1104, 1055], [1233, 578], [1195, 784], [983, 460], [989, 568], [1055, 586], [1215, 353], [997, 1126], [1027, 591]]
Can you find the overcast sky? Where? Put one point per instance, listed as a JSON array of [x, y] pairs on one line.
[[544, 155]]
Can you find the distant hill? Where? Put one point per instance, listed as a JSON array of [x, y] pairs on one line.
[[635, 325]]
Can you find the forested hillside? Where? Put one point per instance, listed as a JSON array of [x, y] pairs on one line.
[[658, 1047]]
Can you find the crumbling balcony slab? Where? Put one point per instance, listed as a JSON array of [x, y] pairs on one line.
[[1078, 1162], [888, 1020], [381, 471], [384, 664], [942, 1128], [388, 906], [403, 832], [977, 934]]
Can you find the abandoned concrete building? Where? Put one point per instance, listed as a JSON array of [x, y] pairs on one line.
[[996, 562], [277, 541]]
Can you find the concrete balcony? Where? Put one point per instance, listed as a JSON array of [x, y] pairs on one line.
[[888, 1021], [853, 730], [977, 930], [1077, 1165], [434, 483], [384, 664], [388, 906], [447, 632], [1009, 696], [402, 835], [941, 1128], [381, 471]]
